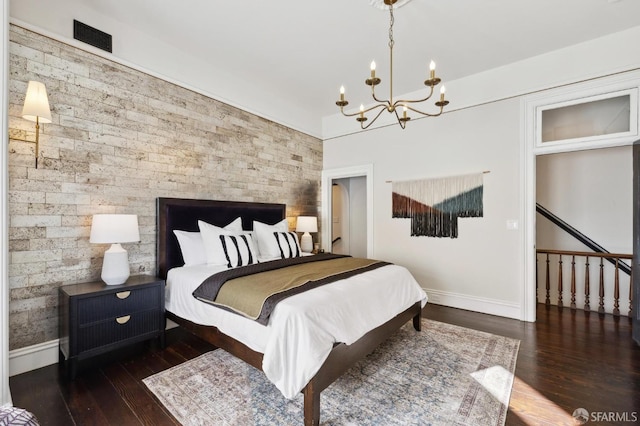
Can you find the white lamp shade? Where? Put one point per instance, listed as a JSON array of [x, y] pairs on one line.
[[114, 228], [307, 224], [36, 103]]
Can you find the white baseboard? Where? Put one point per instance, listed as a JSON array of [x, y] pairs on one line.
[[40, 355], [472, 303], [43, 354], [33, 357]]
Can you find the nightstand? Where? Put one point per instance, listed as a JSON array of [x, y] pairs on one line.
[[96, 318]]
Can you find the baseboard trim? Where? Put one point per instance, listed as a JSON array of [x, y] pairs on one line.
[[472, 303], [40, 355], [43, 354], [33, 357]]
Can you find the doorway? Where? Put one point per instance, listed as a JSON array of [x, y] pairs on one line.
[[588, 190], [347, 211], [349, 216], [536, 142]]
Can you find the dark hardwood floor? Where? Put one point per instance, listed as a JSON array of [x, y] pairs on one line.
[[567, 360]]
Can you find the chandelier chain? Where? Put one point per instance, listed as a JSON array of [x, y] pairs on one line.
[[391, 20], [392, 105]]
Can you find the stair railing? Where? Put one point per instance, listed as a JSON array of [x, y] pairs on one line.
[[599, 252], [617, 260], [580, 236]]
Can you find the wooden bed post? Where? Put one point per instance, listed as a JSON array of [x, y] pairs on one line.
[[311, 405]]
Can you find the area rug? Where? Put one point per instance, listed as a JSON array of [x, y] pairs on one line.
[[443, 375]]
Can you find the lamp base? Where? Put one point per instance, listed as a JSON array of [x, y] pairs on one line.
[[115, 266], [306, 242]]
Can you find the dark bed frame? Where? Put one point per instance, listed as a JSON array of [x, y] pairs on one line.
[[183, 214]]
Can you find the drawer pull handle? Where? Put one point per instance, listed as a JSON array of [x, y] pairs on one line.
[[123, 320], [123, 294]]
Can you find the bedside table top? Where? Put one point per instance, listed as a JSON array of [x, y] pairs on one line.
[[99, 286]]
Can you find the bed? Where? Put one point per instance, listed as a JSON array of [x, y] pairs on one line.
[[253, 342]]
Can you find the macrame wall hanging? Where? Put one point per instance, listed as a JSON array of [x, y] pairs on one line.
[[434, 205]]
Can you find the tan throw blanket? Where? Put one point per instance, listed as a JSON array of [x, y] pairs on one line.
[[254, 290]]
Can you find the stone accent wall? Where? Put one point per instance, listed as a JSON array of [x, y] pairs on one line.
[[119, 139]]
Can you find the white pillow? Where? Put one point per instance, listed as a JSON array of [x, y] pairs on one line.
[[235, 225], [192, 247], [238, 249], [267, 243], [214, 253], [288, 244]]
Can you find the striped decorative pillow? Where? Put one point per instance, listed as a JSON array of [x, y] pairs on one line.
[[238, 249], [288, 244]]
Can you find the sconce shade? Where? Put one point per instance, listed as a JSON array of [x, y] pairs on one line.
[[36, 103], [114, 228], [307, 224]]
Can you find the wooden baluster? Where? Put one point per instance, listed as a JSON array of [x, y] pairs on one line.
[[573, 282], [616, 290], [560, 282], [547, 283], [587, 290], [601, 292]]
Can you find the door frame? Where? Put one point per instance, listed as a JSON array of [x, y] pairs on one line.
[[328, 176], [5, 393], [530, 149]]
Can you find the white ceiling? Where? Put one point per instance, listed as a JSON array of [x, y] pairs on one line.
[[303, 50]]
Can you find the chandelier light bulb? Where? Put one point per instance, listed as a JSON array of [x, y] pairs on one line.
[[392, 104]]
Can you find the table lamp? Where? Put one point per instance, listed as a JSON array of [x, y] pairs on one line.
[[307, 224], [115, 229]]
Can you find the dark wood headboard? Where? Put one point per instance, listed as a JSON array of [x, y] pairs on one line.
[[183, 214]]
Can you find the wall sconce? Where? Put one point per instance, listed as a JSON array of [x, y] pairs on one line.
[[307, 224], [36, 108], [115, 229]]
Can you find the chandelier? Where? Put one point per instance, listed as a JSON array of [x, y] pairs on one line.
[[390, 105]]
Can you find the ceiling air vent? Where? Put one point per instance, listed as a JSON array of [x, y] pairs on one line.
[[92, 36]]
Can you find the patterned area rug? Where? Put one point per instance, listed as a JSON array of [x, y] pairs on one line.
[[443, 375]]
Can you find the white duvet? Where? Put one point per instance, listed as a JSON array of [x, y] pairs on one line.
[[302, 328]]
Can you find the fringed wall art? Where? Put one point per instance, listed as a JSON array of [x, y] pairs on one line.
[[434, 205]]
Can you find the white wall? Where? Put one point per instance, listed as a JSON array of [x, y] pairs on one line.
[[483, 262], [592, 191], [358, 216], [340, 216], [484, 268]]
